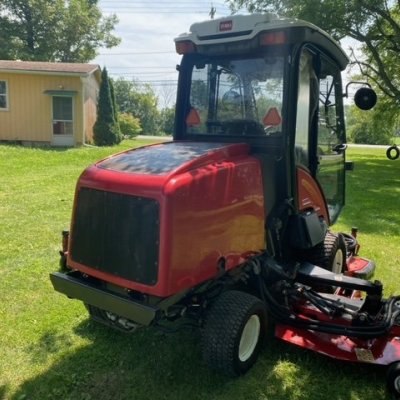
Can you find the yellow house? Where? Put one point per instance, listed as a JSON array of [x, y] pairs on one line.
[[48, 103]]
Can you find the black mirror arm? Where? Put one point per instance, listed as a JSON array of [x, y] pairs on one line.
[[346, 93]]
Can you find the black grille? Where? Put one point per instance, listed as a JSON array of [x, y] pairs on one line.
[[118, 234]]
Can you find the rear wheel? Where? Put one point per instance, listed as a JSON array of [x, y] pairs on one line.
[[233, 332]]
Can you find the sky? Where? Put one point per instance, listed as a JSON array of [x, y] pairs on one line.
[[147, 50], [147, 29]]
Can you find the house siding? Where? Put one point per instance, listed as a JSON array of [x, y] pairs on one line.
[[29, 115]]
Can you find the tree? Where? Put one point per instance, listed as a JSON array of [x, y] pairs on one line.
[[373, 23], [168, 120], [369, 127], [140, 101], [54, 30], [106, 130], [129, 125]]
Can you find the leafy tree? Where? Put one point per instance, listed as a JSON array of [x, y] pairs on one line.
[[54, 30], [129, 125], [168, 120], [106, 129], [140, 101], [369, 127], [373, 23]]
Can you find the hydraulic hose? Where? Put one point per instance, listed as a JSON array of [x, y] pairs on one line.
[[285, 316]]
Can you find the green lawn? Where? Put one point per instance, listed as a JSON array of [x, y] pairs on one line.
[[50, 350]]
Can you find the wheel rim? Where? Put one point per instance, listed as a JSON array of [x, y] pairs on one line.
[[249, 338], [396, 384], [337, 266]]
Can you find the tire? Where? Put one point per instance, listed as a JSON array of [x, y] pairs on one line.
[[393, 380], [330, 255], [393, 152], [233, 332]]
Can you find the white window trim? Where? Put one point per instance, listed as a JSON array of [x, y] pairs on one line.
[[7, 108]]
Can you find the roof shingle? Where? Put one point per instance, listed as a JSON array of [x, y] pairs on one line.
[[38, 66]]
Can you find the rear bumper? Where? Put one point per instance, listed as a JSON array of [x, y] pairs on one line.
[[73, 286]]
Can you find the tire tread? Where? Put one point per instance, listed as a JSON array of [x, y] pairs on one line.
[[223, 324]]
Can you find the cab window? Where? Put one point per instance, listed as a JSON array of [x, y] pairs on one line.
[[236, 96]]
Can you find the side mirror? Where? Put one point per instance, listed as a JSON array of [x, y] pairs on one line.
[[365, 98]]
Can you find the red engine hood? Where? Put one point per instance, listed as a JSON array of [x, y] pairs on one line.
[[148, 168], [171, 157]]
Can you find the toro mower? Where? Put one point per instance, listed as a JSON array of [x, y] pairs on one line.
[[227, 226]]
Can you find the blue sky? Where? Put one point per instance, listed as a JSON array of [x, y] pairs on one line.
[[147, 29]]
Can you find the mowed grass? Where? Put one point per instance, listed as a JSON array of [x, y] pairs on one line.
[[50, 350]]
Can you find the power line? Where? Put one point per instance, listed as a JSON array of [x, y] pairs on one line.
[[176, 3], [141, 67], [143, 73], [163, 5], [137, 53], [154, 12], [154, 4]]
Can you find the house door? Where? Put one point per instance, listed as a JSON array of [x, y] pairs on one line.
[[63, 121]]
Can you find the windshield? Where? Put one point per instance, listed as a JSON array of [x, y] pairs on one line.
[[237, 96]]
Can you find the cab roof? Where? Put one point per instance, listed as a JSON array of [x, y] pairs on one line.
[[245, 27]]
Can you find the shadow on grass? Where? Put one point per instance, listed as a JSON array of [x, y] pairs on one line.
[[373, 196], [3, 392], [151, 365], [38, 146]]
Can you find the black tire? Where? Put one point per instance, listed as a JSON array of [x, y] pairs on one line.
[[330, 255], [393, 380], [393, 152], [233, 333]]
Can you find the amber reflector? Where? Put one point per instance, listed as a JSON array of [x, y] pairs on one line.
[[272, 117], [193, 118]]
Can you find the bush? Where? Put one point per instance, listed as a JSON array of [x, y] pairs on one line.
[[129, 125], [369, 133], [106, 133]]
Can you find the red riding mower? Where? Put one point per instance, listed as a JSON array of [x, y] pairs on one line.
[[229, 222]]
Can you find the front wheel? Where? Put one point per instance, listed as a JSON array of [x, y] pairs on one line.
[[233, 332], [330, 254]]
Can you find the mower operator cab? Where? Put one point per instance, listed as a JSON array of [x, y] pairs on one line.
[[274, 84]]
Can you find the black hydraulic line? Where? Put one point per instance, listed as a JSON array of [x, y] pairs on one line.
[[319, 303], [285, 316]]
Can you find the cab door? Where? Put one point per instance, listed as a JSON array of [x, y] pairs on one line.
[[320, 138], [329, 144]]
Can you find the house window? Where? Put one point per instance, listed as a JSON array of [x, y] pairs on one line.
[[62, 115], [3, 95]]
